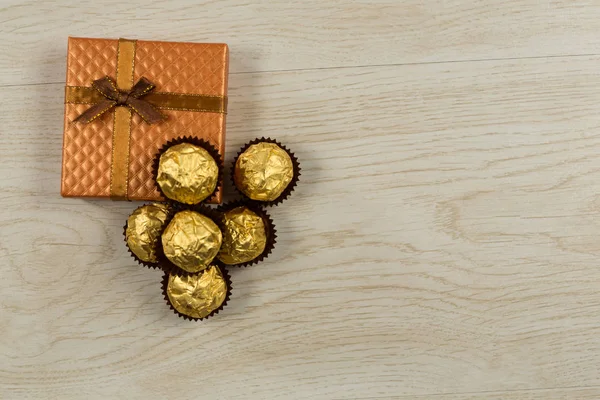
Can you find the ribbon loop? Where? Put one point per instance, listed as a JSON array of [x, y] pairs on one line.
[[142, 87], [114, 97]]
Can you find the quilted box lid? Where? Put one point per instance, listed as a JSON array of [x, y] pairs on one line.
[[174, 67]]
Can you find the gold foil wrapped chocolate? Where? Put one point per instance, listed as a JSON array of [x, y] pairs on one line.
[[244, 236], [197, 296], [187, 173], [263, 171], [143, 230], [191, 241]]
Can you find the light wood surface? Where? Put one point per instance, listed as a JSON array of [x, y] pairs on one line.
[[443, 242]]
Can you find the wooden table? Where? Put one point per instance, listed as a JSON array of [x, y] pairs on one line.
[[443, 242]]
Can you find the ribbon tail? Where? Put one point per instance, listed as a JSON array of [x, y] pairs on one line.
[[106, 87], [95, 111], [146, 110]]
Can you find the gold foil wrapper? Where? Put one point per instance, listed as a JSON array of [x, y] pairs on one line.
[[263, 171], [143, 230], [187, 173], [244, 236], [191, 241], [197, 296]]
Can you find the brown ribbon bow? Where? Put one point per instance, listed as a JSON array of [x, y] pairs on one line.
[[114, 97]]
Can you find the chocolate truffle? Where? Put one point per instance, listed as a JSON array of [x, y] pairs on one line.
[[187, 173], [191, 241], [197, 296], [263, 171], [244, 236], [143, 230]]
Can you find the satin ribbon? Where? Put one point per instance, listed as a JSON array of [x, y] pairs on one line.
[[114, 97]]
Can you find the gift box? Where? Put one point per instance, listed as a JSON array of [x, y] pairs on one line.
[[124, 99]]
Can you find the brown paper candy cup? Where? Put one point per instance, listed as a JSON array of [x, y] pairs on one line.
[[163, 262], [152, 265], [197, 142], [225, 273], [271, 232], [290, 187]]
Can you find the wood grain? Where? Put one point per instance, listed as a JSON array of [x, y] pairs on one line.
[[552, 394], [442, 243], [443, 240], [267, 35]]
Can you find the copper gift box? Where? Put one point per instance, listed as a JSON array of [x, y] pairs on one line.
[[112, 155]]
